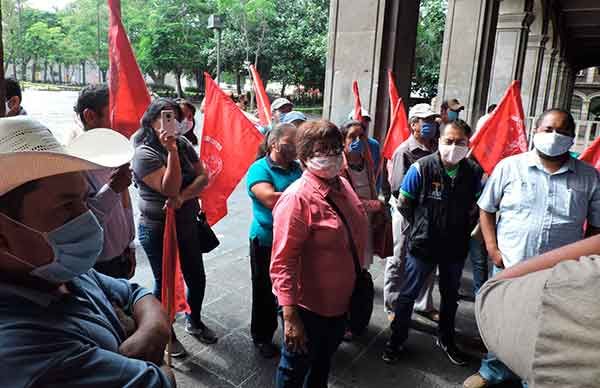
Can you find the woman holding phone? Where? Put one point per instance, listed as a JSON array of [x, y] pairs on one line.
[[168, 173]]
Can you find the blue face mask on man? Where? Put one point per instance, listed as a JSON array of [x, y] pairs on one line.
[[356, 146], [428, 130], [76, 246], [452, 115]]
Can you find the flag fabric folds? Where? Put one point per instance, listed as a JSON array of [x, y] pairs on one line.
[[229, 145], [262, 100], [173, 286], [398, 131], [128, 94], [503, 134], [357, 103], [394, 95], [591, 154]]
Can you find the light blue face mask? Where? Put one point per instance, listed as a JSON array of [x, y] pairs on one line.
[[76, 246], [452, 115]]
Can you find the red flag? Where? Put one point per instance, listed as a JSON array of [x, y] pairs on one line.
[[591, 154], [262, 100], [503, 134], [357, 104], [398, 131], [229, 145], [173, 286], [394, 96], [129, 95]]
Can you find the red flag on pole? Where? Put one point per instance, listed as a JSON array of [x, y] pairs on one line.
[[262, 100], [173, 286], [398, 131], [357, 104], [503, 134], [394, 96], [591, 154], [128, 93], [229, 145]]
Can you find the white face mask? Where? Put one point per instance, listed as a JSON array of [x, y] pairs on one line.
[[326, 167], [452, 154], [552, 143], [182, 127]]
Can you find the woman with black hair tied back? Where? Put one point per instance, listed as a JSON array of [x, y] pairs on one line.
[[168, 173]]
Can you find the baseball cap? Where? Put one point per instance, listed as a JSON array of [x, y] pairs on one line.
[[455, 104], [279, 102], [293, 116], [363, 112], [421, 111], [29, 151]]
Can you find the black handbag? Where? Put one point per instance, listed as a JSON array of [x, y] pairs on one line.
[[361, 303], [208, 238]]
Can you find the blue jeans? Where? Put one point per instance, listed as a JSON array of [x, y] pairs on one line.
[[311, 370], [192, 265], [492, 369], [479, 262], [415, 275]]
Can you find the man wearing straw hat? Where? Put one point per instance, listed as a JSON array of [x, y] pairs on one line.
[[58, 326]]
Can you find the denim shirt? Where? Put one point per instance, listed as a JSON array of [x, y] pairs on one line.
[[47, 340]]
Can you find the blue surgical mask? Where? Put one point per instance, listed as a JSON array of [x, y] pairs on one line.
[[452, 115], [356, 146], [428, 130], [76, 246]]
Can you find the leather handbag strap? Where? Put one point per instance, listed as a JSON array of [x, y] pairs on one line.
[[357, 266]]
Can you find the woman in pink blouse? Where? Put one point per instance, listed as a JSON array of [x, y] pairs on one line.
[[312, 267]]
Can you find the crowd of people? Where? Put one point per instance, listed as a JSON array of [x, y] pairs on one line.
[[323, 200]]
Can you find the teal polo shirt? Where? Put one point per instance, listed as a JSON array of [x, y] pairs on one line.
[[265, 170]]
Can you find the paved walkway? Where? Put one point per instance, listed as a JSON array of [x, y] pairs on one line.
[[233, 361]]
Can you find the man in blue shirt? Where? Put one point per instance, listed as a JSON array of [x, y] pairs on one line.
[[59, 325]]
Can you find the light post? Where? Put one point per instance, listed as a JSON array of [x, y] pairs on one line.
[[216, 23]]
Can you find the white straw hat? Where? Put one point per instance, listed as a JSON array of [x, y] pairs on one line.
[[29, 151]]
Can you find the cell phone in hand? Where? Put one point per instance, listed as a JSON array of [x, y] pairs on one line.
[[167, 118]]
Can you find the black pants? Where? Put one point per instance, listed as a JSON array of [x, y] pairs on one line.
[[264, 303]]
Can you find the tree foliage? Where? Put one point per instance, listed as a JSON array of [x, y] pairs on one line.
[[285, 39], [430, 36]]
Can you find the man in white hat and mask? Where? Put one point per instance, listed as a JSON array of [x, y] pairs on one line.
[[58, 326], [422, 142], [280, 107]]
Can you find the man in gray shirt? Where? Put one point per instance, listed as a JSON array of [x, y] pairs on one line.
[[533, 203], [108, 195]]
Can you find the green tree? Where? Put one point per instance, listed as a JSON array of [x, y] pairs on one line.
[[430, 36]]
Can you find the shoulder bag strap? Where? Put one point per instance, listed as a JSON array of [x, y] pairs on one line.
[[357, 267]]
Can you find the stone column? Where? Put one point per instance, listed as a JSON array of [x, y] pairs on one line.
[[511, 45], [467, 54], [532, 75], [589, 73], [546, 80], [367, 37], [561, 70], [555, 80], [585, 108]]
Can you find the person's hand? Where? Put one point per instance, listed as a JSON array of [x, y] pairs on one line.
[[120, 179], [496, 257], [130, 253], [295, 336], [174, 202], [145, 344], [168, 141]]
